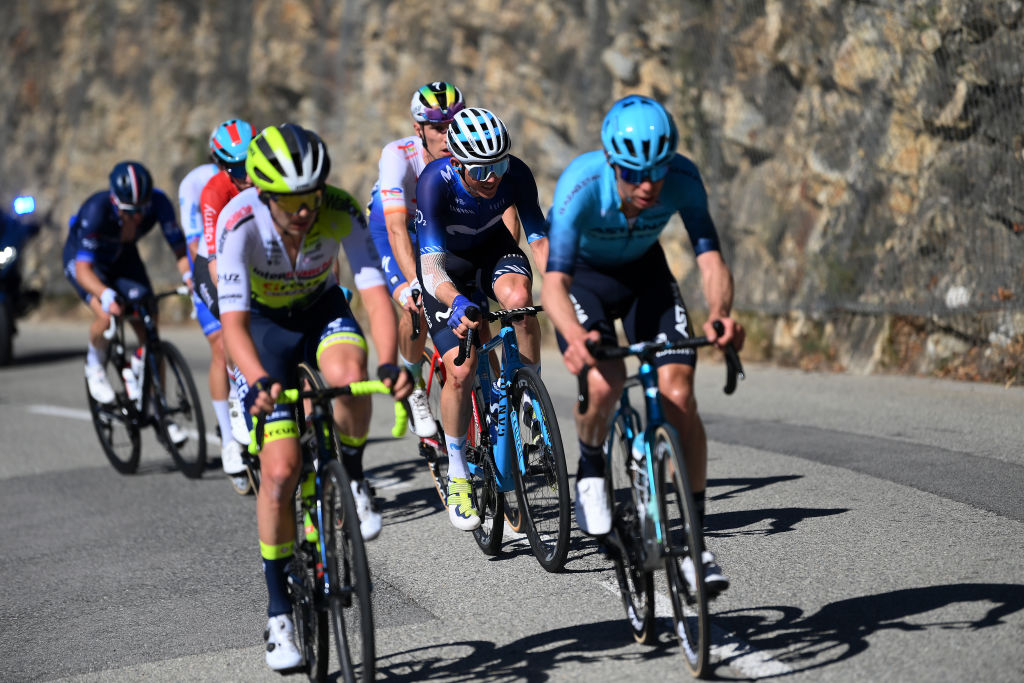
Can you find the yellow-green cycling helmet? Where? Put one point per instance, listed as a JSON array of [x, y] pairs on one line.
[[287, 159]]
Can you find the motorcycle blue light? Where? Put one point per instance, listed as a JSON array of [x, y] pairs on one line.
[[23, 205]]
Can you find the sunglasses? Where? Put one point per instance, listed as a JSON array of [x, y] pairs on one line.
[[655, 173], [293, 203], [483, 171], [131, 208], [236, 171]]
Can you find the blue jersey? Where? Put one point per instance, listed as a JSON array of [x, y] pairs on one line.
[[586, 222], [449, 218], [96, 230]]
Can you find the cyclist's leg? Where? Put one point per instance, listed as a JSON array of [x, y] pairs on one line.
[[511, 286]]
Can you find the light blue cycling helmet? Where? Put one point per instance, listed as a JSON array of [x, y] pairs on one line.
[[229, 141], [638, 133]]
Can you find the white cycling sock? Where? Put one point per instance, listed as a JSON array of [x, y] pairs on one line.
[[220, 408], [457, 467], [93, 356], [416, 369]]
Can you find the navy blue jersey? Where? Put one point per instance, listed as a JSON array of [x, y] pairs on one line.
[[96, 230], [450, 219]]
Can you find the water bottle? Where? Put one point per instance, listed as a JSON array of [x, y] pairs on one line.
[[308, 494]]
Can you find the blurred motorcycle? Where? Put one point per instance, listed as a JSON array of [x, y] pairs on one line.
[[15, 300]]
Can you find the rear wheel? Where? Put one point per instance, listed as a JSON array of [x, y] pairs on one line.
[[117, 423], [543, 484], [180, 406], [635, 584], [308, 607], [350, 598], [683, 538], [488, 501]]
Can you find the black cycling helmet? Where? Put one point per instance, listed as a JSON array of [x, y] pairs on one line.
[[130, 184]]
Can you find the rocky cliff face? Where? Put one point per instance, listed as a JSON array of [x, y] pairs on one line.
[[863, 159]]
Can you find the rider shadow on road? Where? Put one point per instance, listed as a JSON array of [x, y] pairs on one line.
[[742, 485], [840, 630], [533, 658], [414, 495]]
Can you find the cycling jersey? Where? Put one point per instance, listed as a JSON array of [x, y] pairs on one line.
[[216, 194], [253, 268], [586, 222], [401, 162], [95, 233], [189, 190]]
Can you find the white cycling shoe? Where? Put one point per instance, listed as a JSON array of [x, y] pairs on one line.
[[370, 521], [239, 430], [593, 514], [281, 651], [176, 433], [714, 579], [99, 385], [420, 419]]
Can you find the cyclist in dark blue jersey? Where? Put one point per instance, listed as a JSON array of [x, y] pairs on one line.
[[468, 254], [102, 262], [605, 263]]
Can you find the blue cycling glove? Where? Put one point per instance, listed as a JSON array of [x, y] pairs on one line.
[[459, 308], [262, 384]]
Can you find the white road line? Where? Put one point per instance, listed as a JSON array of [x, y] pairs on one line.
[[742, 656], [86, 416]]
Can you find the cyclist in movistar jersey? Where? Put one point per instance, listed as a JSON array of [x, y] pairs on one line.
[[605, 262], [391, 213], [467, 253], [103, 264], [228, 145], [280, 304]]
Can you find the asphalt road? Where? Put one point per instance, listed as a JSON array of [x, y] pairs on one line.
[[873, 529]]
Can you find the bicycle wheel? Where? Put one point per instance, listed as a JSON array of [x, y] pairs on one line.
[[635, 584], [350, 600], [181, 406], [117, 423], [682, 538], [543, 485], [486, 498], [305, 580], [434, 450]]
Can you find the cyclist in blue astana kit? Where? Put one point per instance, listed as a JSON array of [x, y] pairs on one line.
[[466, 254], [280, 304], [391, 213], [103, 264], [605, 262]]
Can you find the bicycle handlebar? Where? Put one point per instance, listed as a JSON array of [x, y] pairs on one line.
[[112, 327], [733, 367], [364, 388], [415, 295], [466, 343]]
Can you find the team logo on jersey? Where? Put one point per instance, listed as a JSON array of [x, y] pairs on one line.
[[441, 316], [581, 315], [682, 321], [409, 148], [238, 217], [393, 193]]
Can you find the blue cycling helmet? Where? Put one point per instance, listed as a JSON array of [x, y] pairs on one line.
[[229, 142], [638, 133], [130, 184]]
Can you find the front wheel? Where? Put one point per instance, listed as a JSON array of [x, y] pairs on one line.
[[543, 484], [180, 413], [348, 574], [117, 424], [304, 586], [683, 538], [488, 501]]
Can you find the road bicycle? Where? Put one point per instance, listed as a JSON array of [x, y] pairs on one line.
[[514, 448], [653, 512], [153, 387], [329, 576]]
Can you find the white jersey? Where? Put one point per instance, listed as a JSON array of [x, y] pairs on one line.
[[401, 162], [253, 265], [189, 190]]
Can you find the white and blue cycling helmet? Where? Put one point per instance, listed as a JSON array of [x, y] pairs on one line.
[[229, 142], [639, 134], [477, 136]]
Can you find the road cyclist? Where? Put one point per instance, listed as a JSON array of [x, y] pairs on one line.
[[280, 304]]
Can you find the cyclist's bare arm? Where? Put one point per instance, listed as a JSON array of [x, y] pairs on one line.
[[401, 246], [718, 291], [383, 327], [510, 218], [555, 299], [86, 276], [235, 325]]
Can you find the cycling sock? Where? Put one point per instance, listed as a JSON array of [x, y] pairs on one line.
[[275, 564], [93, 356], [352, 455], [456, 460], [415, 369], [591, 461], [220, 408]]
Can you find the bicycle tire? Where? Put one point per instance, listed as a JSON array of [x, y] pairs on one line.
[[543, 486], [181, 404], [117, 424], [636, 585], [308, 611], [350, 600], [434, 450], [683, 536], [487, 500]]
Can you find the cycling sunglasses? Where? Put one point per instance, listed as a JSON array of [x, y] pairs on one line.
[[484, 171], [654, 173], [131, 208], [293, 203], [236, 171]]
